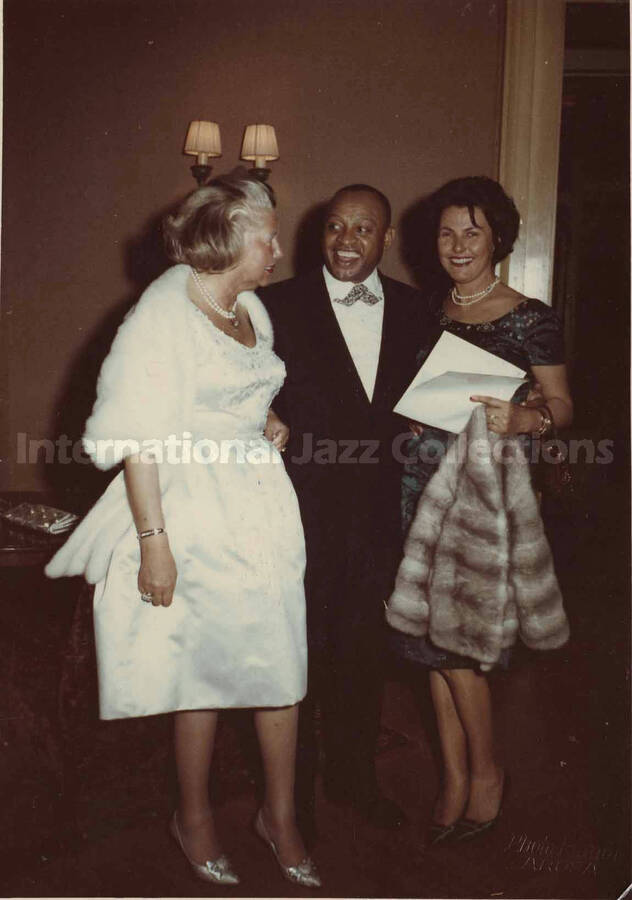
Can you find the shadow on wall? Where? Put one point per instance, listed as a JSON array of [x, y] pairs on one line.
[[307, 254], [418, 248], [80, 483]]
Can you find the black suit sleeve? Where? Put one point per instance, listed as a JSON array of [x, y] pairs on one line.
[[273, 298]]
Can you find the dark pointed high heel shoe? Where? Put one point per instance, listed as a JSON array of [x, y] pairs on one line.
[[440, 834], [467, 829], [217, 871], [304, 874]]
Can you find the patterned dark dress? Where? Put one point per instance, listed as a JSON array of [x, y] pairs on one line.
[[529, 335]]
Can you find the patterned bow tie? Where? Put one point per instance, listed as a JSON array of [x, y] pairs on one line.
[[358, 292]]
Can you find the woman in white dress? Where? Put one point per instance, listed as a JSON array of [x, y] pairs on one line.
[[196, 548]]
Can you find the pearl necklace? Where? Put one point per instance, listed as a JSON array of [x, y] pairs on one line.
[[469, 299], [229, 314]]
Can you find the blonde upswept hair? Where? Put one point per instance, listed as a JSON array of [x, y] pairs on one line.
[[207, 231]]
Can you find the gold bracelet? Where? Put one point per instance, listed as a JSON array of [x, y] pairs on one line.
[[547, 422]]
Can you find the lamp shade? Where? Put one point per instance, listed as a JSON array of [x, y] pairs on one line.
[[260, 143], [203, 140]]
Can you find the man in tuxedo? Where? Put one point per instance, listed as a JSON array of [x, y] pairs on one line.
[[348, 336]]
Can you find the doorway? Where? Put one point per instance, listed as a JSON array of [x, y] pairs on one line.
[[591, 284]]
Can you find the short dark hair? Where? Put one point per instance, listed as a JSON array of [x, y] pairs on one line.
[[478, 190], [358, 188], [207, 231]]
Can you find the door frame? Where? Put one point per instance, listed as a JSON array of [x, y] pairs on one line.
[[530, 137]]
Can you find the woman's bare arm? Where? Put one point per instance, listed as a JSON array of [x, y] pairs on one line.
[[507, 418], [157, 574]]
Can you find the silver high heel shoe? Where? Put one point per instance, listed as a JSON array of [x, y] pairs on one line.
[[217, 871], [304, 874]]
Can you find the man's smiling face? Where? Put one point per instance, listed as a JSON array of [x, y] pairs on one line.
[[356, 235]]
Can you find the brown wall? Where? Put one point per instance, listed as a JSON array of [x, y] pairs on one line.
[[98, 94]]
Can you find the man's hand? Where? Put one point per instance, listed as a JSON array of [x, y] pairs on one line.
[[276, 431], [535, 396]]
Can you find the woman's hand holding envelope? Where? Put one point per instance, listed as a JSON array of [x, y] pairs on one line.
[[505, 417]]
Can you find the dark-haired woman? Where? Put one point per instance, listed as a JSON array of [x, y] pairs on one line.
[[476, 224], [197, 549]]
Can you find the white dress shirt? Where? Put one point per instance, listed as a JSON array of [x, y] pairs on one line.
[[361, 325]]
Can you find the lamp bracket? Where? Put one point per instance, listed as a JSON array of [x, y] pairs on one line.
[[261, 174], [201, 173]]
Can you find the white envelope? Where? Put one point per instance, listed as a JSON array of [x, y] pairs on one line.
[[445, 402], [453, 354], [448, 401]]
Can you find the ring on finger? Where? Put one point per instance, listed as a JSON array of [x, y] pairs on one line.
[[147, 596]]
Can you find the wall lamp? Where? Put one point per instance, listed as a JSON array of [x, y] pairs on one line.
[[260, 145], [202, 141]]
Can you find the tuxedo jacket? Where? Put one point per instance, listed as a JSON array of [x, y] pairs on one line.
[[344, 452]]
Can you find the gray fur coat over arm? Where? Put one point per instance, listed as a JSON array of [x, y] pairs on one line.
[[477, 570]]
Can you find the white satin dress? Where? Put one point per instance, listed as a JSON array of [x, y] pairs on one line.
[[234, 635]]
